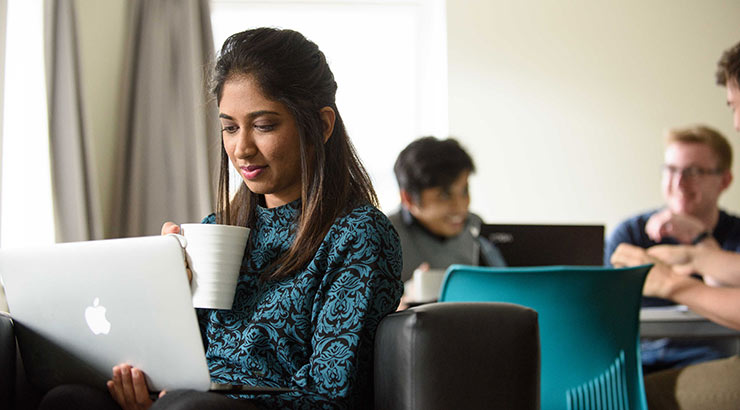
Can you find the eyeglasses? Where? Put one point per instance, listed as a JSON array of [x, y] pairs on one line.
[[691, 172]]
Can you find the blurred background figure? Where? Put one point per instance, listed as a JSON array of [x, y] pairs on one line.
[[696, 171], [434, 223], [712, 384]]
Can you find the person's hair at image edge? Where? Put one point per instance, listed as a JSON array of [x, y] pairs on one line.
[[728, 67], [428, 163], [292, 70], [701, 134]]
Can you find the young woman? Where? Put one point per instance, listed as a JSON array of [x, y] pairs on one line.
[[322, 265]]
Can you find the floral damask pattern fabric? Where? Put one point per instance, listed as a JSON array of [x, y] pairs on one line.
[[313, 331]]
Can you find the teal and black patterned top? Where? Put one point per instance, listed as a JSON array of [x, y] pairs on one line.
[[313, 331]]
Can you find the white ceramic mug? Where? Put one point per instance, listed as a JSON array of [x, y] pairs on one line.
[[427, 284], [214, 254]]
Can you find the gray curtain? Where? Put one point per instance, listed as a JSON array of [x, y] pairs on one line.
[[169, 142], [77, 212]]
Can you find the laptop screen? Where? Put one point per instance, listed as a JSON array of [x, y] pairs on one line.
[[542, 245]]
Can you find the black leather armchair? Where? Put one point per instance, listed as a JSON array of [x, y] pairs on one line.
[[436, 356], [7, 360], [15, 391], [458, 356]]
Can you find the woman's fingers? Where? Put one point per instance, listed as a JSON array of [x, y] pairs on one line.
[[141, 391], [111, 389], [128, 388], [128, 385], [114, 386], [170, 227]]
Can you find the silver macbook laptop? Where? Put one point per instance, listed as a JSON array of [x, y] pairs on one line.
[[80, 308]]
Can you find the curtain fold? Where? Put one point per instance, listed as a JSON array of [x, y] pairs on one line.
[[77, 213], [169, 140]]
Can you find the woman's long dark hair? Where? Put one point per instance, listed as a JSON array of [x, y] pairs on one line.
[[293, 71]]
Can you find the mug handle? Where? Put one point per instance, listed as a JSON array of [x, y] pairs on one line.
[[181, 239]]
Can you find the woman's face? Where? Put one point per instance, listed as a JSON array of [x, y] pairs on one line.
[[261, 139]]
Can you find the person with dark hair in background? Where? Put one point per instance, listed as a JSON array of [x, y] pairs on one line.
[[713, 384], [728, 76], [322, 264], [434, 223]]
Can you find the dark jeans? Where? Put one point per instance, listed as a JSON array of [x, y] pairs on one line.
[[84, 397], [662, 354]]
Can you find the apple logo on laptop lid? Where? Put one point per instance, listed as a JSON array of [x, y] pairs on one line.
[[95, 318]]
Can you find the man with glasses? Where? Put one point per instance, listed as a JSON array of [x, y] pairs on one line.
[[696, 170], [714, 384]]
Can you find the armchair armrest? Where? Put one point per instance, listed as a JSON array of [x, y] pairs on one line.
[[458, 355], [7, 361]]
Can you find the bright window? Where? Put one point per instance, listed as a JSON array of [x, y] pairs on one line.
[[389, 60]]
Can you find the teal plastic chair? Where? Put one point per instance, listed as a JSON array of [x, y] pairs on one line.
[[589, 327]]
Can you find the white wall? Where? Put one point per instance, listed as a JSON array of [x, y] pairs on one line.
[[563, 103]]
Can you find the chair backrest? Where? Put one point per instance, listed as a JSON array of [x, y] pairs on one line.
[[589, 327]]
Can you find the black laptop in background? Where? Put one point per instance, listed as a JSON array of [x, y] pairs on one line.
[[543, 245]]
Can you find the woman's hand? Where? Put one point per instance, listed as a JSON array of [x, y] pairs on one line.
[[129, 389], [171, 227]]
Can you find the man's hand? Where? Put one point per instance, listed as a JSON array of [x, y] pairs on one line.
[[409, 295], [661, 281], [128, 388], [684, 228], [679, 257], [630, 255]]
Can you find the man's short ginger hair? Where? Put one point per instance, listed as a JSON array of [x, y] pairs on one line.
[[701, 134]]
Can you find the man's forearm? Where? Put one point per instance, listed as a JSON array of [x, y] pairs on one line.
[[721, 305], [719, 264]]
